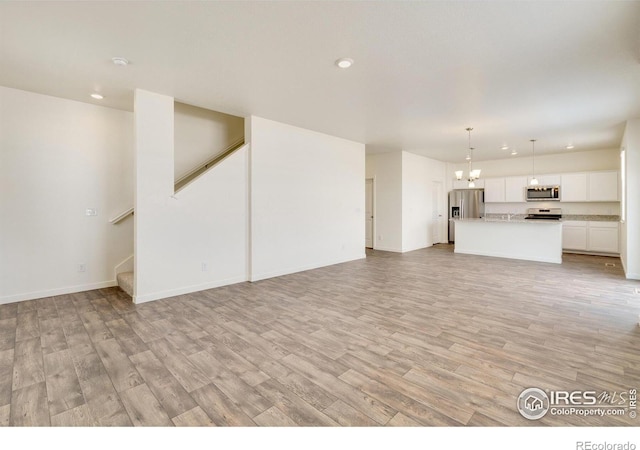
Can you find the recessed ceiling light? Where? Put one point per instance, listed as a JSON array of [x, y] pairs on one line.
[[344, 63], [569, 147], [97, 96], [118, 61], [514, 152], [504, 147]]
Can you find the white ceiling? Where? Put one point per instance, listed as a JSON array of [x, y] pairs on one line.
[[562, 72]]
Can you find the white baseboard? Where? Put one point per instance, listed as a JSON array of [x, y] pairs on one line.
[[290, 270], [59, 291], [187, 289], [535, 258], [388, 249]]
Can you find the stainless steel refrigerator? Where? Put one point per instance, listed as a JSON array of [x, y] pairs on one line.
[[464, 204]]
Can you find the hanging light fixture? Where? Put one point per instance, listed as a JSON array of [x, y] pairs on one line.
[[473, 174], [534, 180]]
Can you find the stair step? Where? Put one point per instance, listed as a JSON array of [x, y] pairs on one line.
[[125, 281]]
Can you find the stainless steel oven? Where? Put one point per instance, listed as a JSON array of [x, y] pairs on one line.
[[542, 193]]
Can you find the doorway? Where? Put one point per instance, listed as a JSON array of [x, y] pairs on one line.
[[368, 213]]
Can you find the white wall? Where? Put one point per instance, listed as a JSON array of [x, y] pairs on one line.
[[386, 169], [205, 223], [57, 158], [307, 199], [418, 175], [630, 253], [200, 134]]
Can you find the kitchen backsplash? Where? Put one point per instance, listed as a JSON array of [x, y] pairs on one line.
[[604, 208]]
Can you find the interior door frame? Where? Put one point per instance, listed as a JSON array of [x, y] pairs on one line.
[[373, 210]]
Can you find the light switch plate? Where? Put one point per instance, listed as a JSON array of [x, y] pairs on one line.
[[91, 212]]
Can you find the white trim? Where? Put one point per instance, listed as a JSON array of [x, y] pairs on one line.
[[58, 291], [388, 249], [187, 289], [281, 272]]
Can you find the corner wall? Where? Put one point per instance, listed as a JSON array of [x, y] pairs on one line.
[[386, 170], [196, 239], [60, 157], [630, 229], [307, 199], [420, 202]]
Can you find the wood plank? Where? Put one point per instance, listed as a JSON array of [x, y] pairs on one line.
[[122, 373], [143, 408], [5, 415], [29, 406], [273, 417], [301, 412], [187, 374], [195, 417], [27, 325], [348, 416], [63, 387], [6, 376], [79, 416], [174, 399], [220, 408], [374, 409], [52, 336], [231, 385], [414, 409], [400, 420], [28, 366]]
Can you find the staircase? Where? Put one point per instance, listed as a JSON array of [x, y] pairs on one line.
[[125, 281]]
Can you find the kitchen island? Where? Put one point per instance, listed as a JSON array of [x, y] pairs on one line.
[[531, 240]]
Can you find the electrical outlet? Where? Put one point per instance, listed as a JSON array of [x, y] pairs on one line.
[[204, 267], [82, 267], [91, 212], [379, 237]]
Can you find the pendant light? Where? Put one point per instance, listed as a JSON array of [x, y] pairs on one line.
[[473, 174], [534, 180]]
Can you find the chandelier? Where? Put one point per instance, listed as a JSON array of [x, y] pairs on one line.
[[474, 174]]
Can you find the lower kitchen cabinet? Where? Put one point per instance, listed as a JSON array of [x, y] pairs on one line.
[[592, 236], [603, 237], [574, 235]]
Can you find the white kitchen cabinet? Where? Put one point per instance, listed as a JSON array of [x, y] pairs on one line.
[[603, 237], [574, 235], [590, 187], [603, 186], [494, 190], [514, 189], [574, 187], [546, 180], [592, 236]]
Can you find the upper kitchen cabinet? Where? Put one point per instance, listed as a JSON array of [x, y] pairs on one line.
[[603, 186], [494, 190], [574, 187], [514, 189], [590, 187]]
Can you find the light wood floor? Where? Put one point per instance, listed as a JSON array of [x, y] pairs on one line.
[[423, 338]]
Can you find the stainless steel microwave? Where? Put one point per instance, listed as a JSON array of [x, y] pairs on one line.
[[542, 193]]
